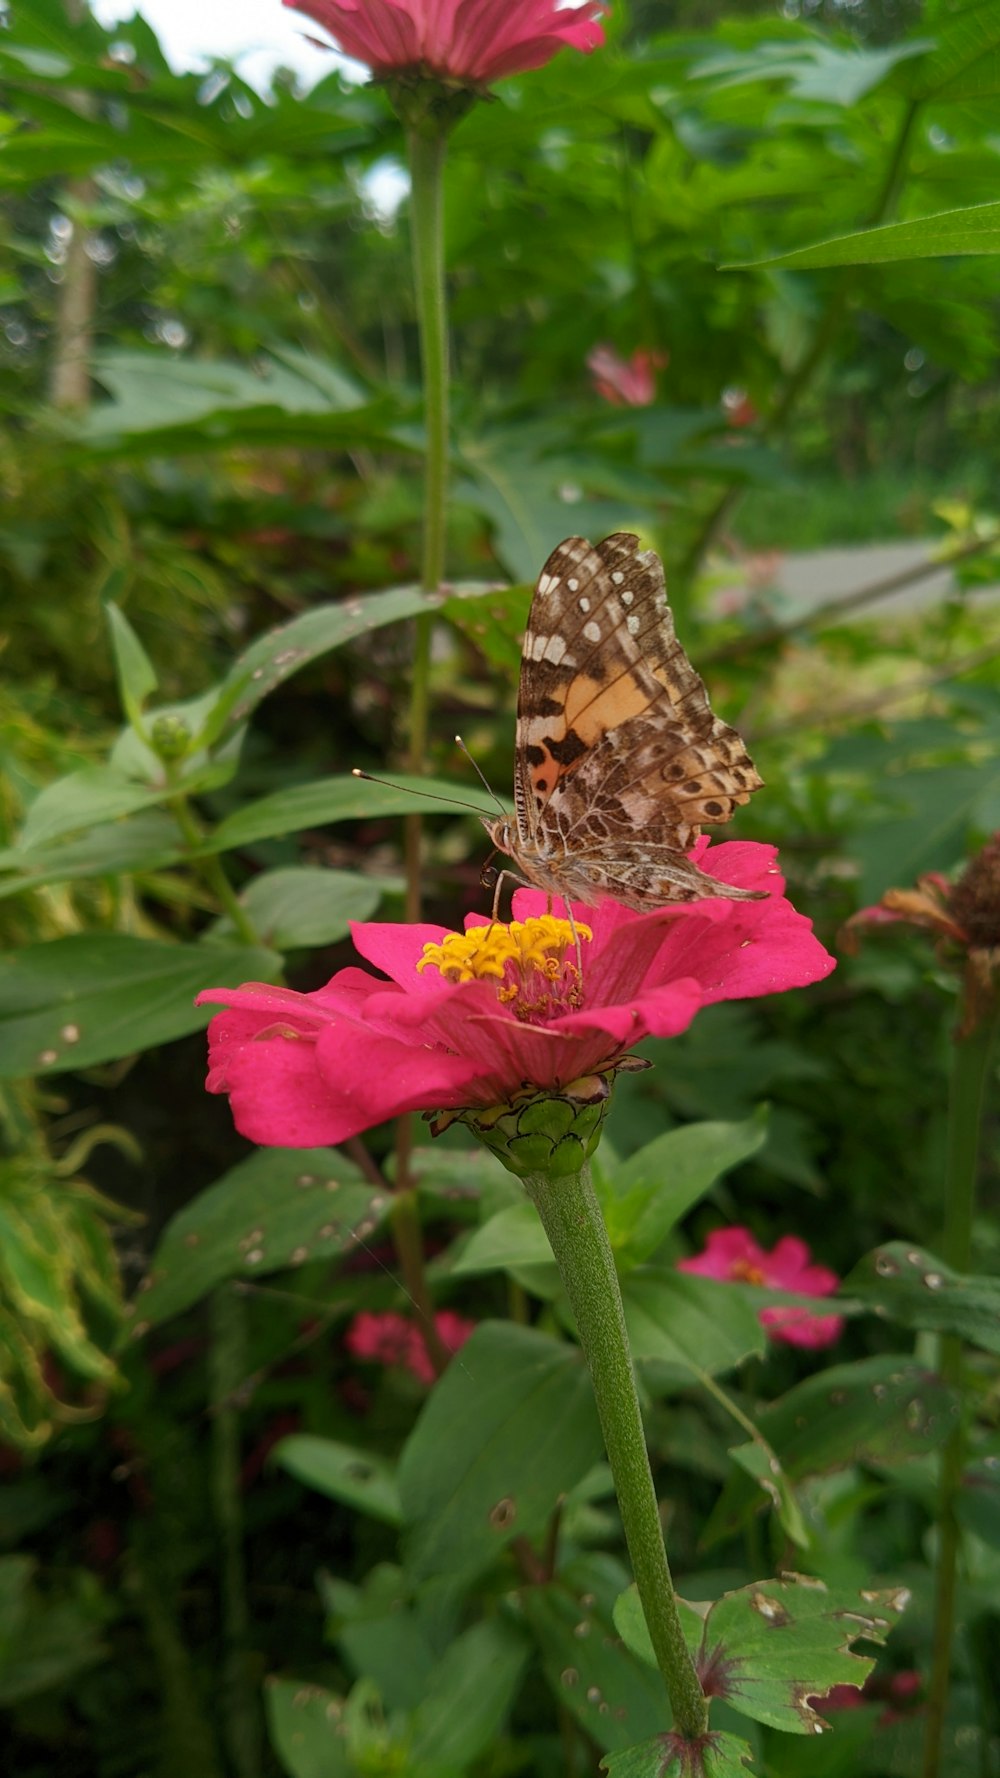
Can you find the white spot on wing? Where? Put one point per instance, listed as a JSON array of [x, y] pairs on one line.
[[554, 649], [547, 583], [592, 632], [572, 584], [632, 624], [584, 604], [618, 577], [627, 598]]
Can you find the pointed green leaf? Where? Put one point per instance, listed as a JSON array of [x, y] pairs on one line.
[[965, 63], [509, 1428], [303, 906], [906, 1284], [469, 1693], [134, 670], [281, 1207], [335, 799], [974, 229], [94, 997], [358, 1478], [883, 1410], [514, 1237], [655, 1188], [689, 1321]]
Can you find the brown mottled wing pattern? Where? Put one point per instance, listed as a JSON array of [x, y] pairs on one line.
[[620, 758]]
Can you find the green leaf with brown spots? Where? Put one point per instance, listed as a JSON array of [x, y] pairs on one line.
[[361, 1479], [280, 1208], [776, 1647]]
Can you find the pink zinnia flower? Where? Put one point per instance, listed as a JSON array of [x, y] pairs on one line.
[[625, 382], [389, 1339], [733, 1256], [309, 1069], [461, 40]]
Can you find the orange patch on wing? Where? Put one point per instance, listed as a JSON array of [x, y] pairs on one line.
[[593, 709]]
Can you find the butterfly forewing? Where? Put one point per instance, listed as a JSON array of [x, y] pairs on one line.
[[620, 758]]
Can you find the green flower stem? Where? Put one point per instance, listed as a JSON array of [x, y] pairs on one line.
[[970, 1079], [212, 872], [427, 158], [573, 1222]]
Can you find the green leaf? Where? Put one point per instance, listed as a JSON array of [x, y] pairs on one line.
[[148, 841], [692, 1322], [304, 906], [331, 799], [87, 798], [469, 1694], [514, 1237], [274, 657], [883, 1410], [133, 668], [908, 1285], [974, 229], [656, 1187], [302, 1721], [358, 1478], [720, 1756], [614, 1696], [965, 63], [94, 997], [45, 1640], [509, 1428], [770, 1647], [279, 1208]]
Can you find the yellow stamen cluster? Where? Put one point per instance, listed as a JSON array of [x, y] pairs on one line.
[[527, 960]]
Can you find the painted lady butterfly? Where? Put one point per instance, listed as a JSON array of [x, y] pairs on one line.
[[619, 757]]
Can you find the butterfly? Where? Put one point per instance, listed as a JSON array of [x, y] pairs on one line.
[[619, 758]]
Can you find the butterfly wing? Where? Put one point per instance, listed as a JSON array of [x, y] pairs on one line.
[[618, 748]]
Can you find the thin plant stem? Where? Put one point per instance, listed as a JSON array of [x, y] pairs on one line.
[[212, 872], [970, 1079], [407, 1236], [427, 158], [575, 1227], [239, 1712]]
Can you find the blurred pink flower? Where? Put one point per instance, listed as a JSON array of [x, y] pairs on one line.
[[738, 408], [389, 1339], [464, 40], [733, 1256], [309, 1069], [626, 382]]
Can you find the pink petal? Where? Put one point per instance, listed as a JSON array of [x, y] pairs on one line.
[[396, 950], [276, 1094], [372, 1077], [797, 1327]]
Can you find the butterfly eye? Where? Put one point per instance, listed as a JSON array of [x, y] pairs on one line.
[[488, 876]]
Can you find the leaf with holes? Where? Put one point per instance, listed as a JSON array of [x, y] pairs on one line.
[[357, 1478], [883, 1410], [908, 1285], [280, 1208], [510, 1427], [773, 1646]]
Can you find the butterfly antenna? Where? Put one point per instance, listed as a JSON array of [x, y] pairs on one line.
[[405, 789], [481, 775]]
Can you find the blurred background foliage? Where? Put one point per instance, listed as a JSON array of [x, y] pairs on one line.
[[210, 418]]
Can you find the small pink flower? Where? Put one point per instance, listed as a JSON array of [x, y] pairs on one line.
[[478, 41], [626, 382], [733, 1256], [390, 1339], [303, 1070]]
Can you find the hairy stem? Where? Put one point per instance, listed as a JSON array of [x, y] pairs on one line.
[[572, 1219]]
